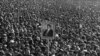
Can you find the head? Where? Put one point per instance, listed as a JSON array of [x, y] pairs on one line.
[[48, 26]]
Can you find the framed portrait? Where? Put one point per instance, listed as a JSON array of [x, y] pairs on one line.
[[47, 29]]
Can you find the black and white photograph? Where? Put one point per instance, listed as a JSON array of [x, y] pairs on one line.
[[48, 32], [49, 27]]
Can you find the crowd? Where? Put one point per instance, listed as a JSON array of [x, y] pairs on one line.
[[78, 37], [77, 32]]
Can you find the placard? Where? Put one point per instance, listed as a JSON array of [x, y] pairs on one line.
[[48, 30]]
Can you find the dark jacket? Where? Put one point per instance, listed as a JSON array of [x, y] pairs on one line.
[[49, 33]]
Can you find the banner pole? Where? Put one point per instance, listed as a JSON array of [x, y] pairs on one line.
[[48, 47]]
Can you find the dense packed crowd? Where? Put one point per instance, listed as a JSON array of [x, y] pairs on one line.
[[77, 31]]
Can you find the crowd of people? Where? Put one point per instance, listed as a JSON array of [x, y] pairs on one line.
[[76, 32]]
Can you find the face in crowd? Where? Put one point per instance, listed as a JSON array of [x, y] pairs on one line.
[[48, 26]]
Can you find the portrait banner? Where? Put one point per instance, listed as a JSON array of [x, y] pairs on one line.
[[47, 29]]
